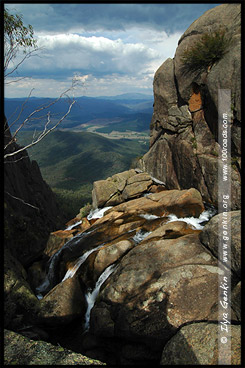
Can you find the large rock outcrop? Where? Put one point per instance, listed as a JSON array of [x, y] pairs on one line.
[[159, 286], [121, 223], [122, 187], [127, 283], [184, 145]]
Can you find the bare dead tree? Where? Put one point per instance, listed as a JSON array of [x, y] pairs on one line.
[[42, 134]]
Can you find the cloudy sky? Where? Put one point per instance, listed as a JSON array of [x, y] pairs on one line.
[[110, 48]]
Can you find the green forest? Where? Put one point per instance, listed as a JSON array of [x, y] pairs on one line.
[[71, 161]]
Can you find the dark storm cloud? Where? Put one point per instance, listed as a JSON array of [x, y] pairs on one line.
[[112, 48], [65, 17]]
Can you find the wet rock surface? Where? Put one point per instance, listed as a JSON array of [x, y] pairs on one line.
[[164, 275], [56, 241], [123, 220]]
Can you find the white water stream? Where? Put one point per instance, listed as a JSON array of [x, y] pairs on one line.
[[46, 284], [91, 295], [74, 225], [148, 216], [195, 222], [71, 272], [140, 235], [97, 213]]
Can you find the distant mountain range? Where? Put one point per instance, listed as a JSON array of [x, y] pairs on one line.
[[125, 109], [127, 96]]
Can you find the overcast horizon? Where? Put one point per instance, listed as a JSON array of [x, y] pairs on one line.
[[110, 48]]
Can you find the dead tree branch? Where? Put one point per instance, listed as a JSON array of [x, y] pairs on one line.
[[22, 201], [43, 134]]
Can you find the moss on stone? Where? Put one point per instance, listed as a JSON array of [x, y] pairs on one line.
[[19, 350]]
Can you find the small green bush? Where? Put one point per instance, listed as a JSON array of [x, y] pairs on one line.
[[84, 211], [207, 51]]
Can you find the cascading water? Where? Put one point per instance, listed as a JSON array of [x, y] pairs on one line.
[[50, 279], [197, 223], [91, 295], [140, 235], [97, 213], [74, 225], [149, 217], [71, 272]]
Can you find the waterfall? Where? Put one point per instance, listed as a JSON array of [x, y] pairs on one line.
[[50, 280], [195, 222], [71, 272], [74, 225], [148, 216], [91, 295], [97, 213], [140, 235]]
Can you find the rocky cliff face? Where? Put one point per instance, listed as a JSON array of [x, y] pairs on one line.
[[184, 128], [30, 208]]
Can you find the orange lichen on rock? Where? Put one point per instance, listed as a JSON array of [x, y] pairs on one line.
[[195, 102]]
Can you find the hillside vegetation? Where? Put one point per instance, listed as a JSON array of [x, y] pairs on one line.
[[71, 161]]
